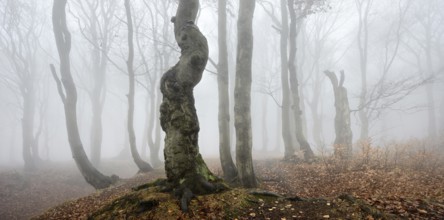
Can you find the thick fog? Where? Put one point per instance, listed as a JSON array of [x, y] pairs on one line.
[[403, 41]]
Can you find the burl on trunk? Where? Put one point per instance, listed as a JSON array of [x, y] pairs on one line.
[[186, 171]]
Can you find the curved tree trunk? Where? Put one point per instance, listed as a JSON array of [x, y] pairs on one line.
[[63, 40], [226, 160], [294, 84], [242, 94], [142, 165], [343, 141], [185, 169]]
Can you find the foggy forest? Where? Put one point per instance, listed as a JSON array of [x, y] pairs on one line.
[[221, 109]]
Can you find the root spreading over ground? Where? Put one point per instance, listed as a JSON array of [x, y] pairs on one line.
[[321, 190]]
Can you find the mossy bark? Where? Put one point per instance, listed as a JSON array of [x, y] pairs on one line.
[[184, 166]]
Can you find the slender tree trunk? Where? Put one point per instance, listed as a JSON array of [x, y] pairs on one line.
[[28, 128], [63, 40], [98, 18], [286, 128], [185, 169], [363, 60], [142, 165], [265, 132], [96, 96], [242, 94], [314, 107], [226, 160], [96, 129], [343, 140], [294, 85], [429, 88]]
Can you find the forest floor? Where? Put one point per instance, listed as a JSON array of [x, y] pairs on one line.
[[332, 191]]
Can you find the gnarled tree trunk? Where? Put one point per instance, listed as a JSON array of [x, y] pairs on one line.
[[343, 140], [185, 169], [63, 40]]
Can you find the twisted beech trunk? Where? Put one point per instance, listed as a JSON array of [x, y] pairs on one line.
[[185, 169], [343, 141], [63, 40]]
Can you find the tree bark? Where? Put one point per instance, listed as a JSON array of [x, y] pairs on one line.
[[185, 169], [363, 60], [226, 160], [294, 85], [63, 41], [242, 94], [343, 140], [286, 128], [141, 164]]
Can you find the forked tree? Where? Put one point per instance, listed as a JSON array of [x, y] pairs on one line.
[[344, 136]]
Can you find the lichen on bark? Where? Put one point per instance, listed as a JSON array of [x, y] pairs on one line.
[[184, 166]]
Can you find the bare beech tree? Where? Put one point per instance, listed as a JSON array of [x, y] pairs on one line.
[[226, 160], [242, 94], [19, 40], [425, 32], [281, 26], [294, 84], [97, 17], [68, 94], [286, 103], [185, 169], [363, 7], [141, 164]]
